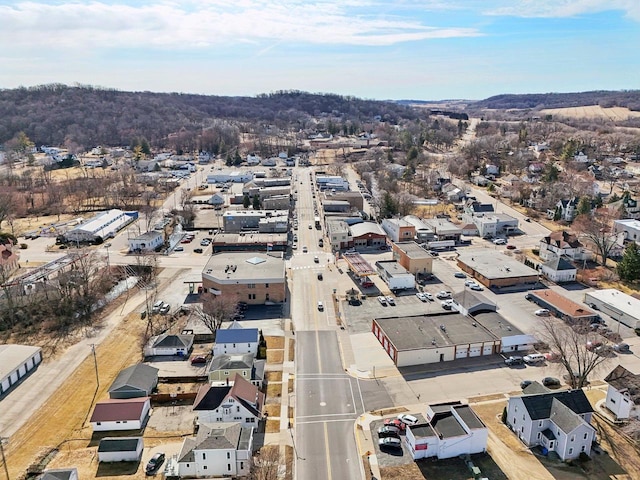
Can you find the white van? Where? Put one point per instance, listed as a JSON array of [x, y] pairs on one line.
[[533, 358]]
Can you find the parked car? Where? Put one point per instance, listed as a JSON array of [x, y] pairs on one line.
[[390, 442], [165, 309], [428, 295], [533, 358], [529, 297], [511, 247], [447, 304], [525, 383], [395, 422], [179, 248], [198, 360], [154, 463], [383, 300], [542, 312], [388, 431], [304, 250], [320, 306], [320, 276], [550, 382], [442, 294], [468, 282], [391, 301], [459, 275], [421, 296], [407, 419], [513, 360], [321, 243], [621, 347], [476, 286], [499, 241], [197, 250], [157, 306], [316, 259]]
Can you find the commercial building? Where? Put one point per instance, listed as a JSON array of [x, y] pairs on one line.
[[444, 229], [236, 176], [492, 224], [332, 182], [355, 199], [102, 226], [16, 362], [395, 275], [276, 202], [254, 278], [367, 235], [249, 242], [618, 305], [398, 229], [561, 306], [413, 257], [339, 235], [339, 206], [424, 232], [495, 269], [147, 242], [268, 221]]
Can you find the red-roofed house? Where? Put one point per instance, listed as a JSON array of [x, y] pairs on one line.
[[120, 414]]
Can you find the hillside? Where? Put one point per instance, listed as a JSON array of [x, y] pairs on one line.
[[627, 98], [88, 116]]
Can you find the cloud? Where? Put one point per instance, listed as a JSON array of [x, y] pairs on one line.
[[178, 25], [563, 8]]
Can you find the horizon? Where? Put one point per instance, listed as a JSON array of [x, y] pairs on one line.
[[430, 50]]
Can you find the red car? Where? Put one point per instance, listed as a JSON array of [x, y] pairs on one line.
[[198, 360], [395, 422], [511, 247]]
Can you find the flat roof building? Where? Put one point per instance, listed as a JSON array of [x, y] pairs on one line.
[[561, 306], [101, 226], [251, 277], [250, 241], [618, 305], [412, 257], [16, 361], [495, 269]]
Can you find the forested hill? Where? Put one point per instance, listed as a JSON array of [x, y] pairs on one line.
[[625, 98], [88, 116]]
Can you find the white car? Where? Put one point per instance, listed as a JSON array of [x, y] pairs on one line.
[[447, 304], [476, 287], [499, 241], [469, 282], [428, 296], [320, 306], [421, 296], [543, 312], [443, 294], [390, 301], [383, 300], [304, 250], [407, 419]]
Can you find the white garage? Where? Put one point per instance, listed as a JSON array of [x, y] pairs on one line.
[[16, 361]]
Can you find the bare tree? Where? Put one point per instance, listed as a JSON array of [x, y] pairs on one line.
[[576, 348], [596, 228], [215, 309], [266, 464]]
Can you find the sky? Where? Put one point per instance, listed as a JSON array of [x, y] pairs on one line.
[[377, 49]]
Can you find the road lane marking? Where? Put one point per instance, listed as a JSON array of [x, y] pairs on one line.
[[326, 446], [313, 422], [360, 390]]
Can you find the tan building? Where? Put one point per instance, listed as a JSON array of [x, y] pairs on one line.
[[413, 257], [496, 270], [252, 277]]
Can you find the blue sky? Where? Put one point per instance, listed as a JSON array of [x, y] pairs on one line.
[[383, 49]]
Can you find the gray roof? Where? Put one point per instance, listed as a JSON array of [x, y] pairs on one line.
[[564, 417], [140, 377], [496, 324], [234, 267], [447, 425], [231, 362], [13, 356], [171, 341], [468, 416], [469, 299], [492, 264], [237, 335], [539, 406], [558, 264], [424, 331], [365, 228], [413, 250], [226, 436], [119, 444], [624, 381], [59, 474], [535, 388]]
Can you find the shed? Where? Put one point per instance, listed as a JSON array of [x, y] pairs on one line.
[[120, 449]]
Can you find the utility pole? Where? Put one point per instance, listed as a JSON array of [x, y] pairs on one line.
[[4, 460]]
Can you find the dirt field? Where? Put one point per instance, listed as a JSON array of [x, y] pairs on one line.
[[592, 111]]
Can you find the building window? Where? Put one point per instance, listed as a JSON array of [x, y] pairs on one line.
[[584, 448], [252, 296], [241, 465], [204, 456], [238, 409], [204, 467], [540, 423], [226, 374], [228, 455], [515, 409], [571, 451], [266, 285], [228, 467], [585, 436], [251, 285], [538, 436], [573, 438], [613, 400]]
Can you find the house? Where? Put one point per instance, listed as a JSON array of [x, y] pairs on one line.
[[629, 229], [492, 169], [473, 207], [216, 199], [167, 344], [628, 205], [241, 402], [623, 393], [134, 382], [398, 229], [557, 421], [253, 159], [565, 210], [60, 474], [120, 414], [16, 362], [120, 449], [451, 430], [224, 368], [237, 341], [222, 449], [8, 259], [491, 224], [561, 243], [558, 270], [147, 242]]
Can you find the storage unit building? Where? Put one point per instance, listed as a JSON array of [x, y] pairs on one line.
[[16, 361]]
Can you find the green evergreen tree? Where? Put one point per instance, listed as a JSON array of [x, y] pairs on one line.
[[228, 162], [246, 201], [144, 145], [584, 206], [389, 206], [256, 202], [629, 267], [237, 160]]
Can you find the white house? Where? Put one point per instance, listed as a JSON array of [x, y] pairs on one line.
[[623, 393], [120, 414], [558, 270], [223, 449], [241, 402], [630, 228], [253, 159], [16, 361], [561, 243], [120, 449], [557, 421], [147, 242], [452, 429], [236, 340], [167, 344], [216, 199]]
